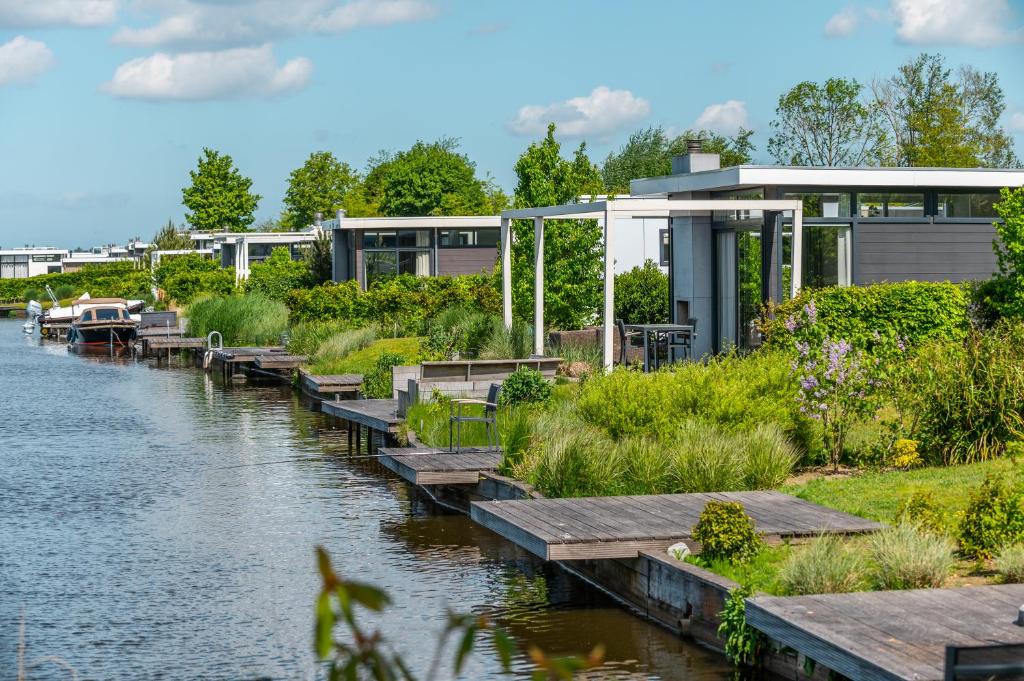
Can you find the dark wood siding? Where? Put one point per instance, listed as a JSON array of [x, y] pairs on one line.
[[923, 252], [456, 261]]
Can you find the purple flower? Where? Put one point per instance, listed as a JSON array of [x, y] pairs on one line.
[[809, 383], [900, 344], [790, 324], [811, 311]]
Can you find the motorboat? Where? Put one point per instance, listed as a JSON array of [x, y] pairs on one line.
[[103, 324], [60, 317]]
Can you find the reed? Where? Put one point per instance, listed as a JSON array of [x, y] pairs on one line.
[[243, 320]]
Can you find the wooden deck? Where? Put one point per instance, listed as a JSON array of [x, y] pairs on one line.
[[244, 355], [380, 415], [331, 385], [889, 635], [432, 466], [278, 361], [621, 527], [174, 343], [159, 332]]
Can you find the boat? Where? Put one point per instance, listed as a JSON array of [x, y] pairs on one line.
[[107, 324], [59, 318]]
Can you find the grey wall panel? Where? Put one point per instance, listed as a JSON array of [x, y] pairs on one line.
[[454, 261], [924, 252]]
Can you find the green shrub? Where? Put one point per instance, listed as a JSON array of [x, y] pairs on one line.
[[994, 518], [1010, 252], [64, 291], [525, 386], [916, 311], [101, 280], [241, 320], [969, 396], [502, 343], [706, 459], [378, 384], [185, 277], [823, 565], [30, 294], [641, 295], [1009, 563], [922, 511], [561, 461], [458, 332], [277, 275], [726, 532], [648, 466], [904, 557], [743, 643]]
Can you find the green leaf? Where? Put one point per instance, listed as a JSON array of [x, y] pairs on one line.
[[505, 647], [465, 646], [368, 595], [324, 625]]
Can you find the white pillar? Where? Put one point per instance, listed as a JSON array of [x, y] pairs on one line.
[[506, 272], [609, 286], [796, 270], [538, 286]]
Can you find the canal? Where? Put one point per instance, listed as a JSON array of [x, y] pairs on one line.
[[157, 524]]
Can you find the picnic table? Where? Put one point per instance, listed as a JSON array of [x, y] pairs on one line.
[[652, 334]]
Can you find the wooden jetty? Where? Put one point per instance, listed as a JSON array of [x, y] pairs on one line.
[[432, 466], [331, 386], [890, 635], [163, 346], [276, 362], [232, 360], [622, 527], [379, 418]]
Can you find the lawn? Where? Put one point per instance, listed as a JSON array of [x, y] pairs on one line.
[[365, 360]]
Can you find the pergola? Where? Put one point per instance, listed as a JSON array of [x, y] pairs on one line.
[[607, 211]]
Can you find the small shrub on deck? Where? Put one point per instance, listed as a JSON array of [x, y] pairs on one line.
[[823, 565], [378, 383], [907, 558], [525, 386], [994, 518], [1010, 563], [725, 531]]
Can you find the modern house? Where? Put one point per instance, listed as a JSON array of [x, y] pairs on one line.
[[242, 250], [859, 226], [20, 263]]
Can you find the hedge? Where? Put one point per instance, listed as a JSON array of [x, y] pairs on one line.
[[404, 301], [185, 277], [117, 279], [917, 311]]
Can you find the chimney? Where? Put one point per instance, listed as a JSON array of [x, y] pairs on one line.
[[694, 160]]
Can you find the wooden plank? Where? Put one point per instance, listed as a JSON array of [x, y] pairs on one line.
[[171, 343], [379, 415], [276, 361], [426, 466]]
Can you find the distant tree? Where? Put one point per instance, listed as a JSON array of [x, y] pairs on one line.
[[649, 152], [936, 119], [320, 259], [270, 225], [170, 238], [426, 179], [319, 186], [219, 197], [827, 125], [277, 275], [573, 258]]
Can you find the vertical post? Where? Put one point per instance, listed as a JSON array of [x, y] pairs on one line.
[[538, 286], [506, 272], [609, 284], [798, 248]]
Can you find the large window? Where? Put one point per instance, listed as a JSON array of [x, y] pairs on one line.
[[890, 205], [468, 238], [826, 256], [386, 254], [967, 205], [13, 266], [49, 257], [824, 205]]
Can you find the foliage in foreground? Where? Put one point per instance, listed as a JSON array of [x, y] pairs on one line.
[[743, 643], [249, 320]]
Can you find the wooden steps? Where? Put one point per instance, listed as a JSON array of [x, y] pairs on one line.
[[433, 466]]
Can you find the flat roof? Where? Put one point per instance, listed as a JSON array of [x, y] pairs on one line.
[[749, 176], [427, 222], [29, 250]]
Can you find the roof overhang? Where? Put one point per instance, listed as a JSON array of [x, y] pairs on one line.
[[427, 222]]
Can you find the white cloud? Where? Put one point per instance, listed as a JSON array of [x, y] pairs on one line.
[[57, 12], [726, 118], [600, 113], [842, 23], [194, 24], [22, 60], [977, 23], [192, 76]]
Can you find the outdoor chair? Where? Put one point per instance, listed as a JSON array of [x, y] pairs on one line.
[[489, 418], [624, 339], [683, 341]]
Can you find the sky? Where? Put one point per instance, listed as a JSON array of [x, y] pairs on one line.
[[105, 105]]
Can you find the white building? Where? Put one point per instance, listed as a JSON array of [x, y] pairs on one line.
[[637, 238], [20, 263]]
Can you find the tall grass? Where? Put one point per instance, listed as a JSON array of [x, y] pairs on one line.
[[243, 320], [342, 344], [305, 338], [907, 558], [502, 343], [823, 565]]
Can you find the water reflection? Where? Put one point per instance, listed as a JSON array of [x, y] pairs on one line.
[[157, 523]]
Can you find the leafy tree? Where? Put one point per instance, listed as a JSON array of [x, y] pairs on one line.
[[426, 179], [641, 295], [573, 257], [649, 152], [270, 225], [936, 119], [319, 186], [827, 125], [1009, 247], [170, 239], [277, 275], [319, 259], [219, 197], [183, 277]]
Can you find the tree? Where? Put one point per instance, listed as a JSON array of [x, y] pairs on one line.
[[319, 186], [935, 119], [1009, 247], [170, 239], [827, 125], [277, 275], [426, 179], [649, 152], [219, 196], [641, 295], [320, 259], [573, 258]]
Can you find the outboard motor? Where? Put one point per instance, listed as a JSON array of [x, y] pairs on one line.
[[32, 311]]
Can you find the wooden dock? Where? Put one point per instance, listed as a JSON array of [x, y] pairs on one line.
[[622, 527], [332, 386], [158, 346], [890, 635], [232, 360], [432, 466], [277, 362], [379, 415]]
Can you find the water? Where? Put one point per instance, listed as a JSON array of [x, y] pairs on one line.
[[157, 524]]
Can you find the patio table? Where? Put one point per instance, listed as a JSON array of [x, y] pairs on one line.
[[652, 333]]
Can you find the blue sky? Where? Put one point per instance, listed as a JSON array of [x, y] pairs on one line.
[[106, 104]]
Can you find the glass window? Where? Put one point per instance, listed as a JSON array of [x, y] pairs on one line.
[[890, 205], [380, 265], [748, 271], [106, 314], [52, 257], [826, 256], [87, 316], [967, 205], [380, 239], [824, 205], [745, 219], [469, 238], [664, 247]]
